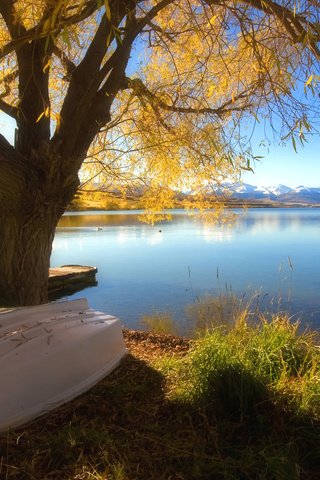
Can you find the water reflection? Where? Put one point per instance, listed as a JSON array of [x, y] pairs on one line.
[[260, 219], [279, 219], [213, 234], [146, 268], [106, 218]]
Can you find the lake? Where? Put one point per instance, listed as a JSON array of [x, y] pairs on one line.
[[269, 255]]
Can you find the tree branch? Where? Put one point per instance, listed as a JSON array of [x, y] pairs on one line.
[[132, 35], [82, 97], [5, 107], [298, 26], [141, 90], [292, 22], [9, 109], [67, 64], [38, 32], [8, 12], [11, 161], [5, 147]]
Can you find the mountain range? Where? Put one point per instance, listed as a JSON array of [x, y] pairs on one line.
[[278, 193]]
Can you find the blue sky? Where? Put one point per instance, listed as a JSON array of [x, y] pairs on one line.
[[7, 126], [279, 165]]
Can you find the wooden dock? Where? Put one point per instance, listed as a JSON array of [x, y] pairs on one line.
[[71, 277]]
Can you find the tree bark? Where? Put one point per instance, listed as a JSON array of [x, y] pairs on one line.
[[31, 203], [26, 243]]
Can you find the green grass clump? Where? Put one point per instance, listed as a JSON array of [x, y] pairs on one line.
[[243, 368]]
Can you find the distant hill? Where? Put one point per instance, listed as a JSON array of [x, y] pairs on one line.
[[278, 193]]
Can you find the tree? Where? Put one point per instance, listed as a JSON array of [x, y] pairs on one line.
[[65, 79]]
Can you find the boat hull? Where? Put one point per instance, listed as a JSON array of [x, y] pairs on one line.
[[52, 353]]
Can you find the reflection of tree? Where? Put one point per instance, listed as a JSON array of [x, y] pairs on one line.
[[98, 220], [114, 219]]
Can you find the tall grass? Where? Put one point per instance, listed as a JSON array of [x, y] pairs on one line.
[[244, 368], [159, 322], [208, 312]]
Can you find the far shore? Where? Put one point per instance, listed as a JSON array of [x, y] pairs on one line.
[[101, 201]]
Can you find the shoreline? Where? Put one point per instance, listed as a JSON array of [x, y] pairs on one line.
[[103, 201], [88, 207]]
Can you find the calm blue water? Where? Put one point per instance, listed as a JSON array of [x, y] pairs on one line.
[[272, 254]]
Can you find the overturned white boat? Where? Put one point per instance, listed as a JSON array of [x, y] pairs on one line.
[[51, 353]]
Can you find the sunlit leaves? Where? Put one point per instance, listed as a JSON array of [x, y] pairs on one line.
[[234, 62]]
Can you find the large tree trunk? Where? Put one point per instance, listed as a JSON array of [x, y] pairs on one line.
[[25, 250], [31, 203]]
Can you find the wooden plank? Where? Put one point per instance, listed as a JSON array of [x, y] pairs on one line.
[[71, 275]]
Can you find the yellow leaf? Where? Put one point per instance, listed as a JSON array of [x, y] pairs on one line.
[[47, 65], [56, 10], [40, 116], [211, 90], [109, 37], [47, 25], [108, 11], [309, 80]]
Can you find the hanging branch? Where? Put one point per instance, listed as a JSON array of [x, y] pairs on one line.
[[140, 90]]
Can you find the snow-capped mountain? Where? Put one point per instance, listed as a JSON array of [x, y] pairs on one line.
[[280, 193], [278, 189], [303, 194]]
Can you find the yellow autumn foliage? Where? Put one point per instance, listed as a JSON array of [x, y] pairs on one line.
[[198, 72]]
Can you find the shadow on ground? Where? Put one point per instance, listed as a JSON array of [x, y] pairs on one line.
[[126, 429]]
